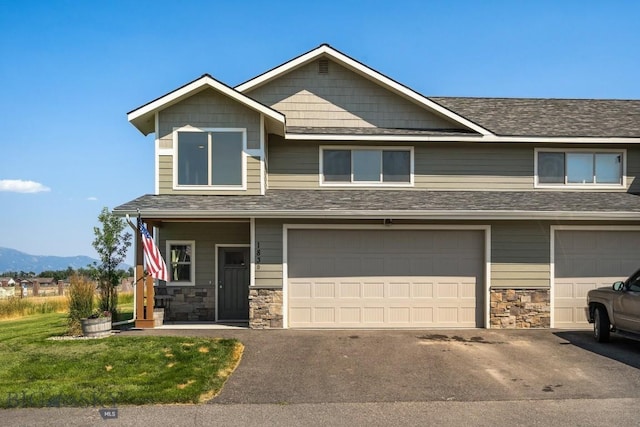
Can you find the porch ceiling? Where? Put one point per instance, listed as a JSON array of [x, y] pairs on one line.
[[391, 204]]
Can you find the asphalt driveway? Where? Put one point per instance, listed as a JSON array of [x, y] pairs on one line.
[[310, 366]]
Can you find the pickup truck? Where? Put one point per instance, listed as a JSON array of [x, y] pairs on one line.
[[615, 309]]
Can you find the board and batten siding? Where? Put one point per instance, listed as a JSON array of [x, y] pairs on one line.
[[342, 98], [206, 236], [208, 109]]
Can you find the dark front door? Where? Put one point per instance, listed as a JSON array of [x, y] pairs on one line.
[[233, 283]]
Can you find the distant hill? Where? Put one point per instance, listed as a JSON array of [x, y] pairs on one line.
[[13, 260]]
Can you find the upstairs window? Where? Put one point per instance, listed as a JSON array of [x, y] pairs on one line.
[[366, 166], [211, 158], [580, 168]]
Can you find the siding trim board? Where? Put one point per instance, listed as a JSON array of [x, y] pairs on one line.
[[552, 251], [487, 255]]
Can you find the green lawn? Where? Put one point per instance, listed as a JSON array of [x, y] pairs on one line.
[[117, 370]]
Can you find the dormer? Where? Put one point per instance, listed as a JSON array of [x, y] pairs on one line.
[[210, 139]]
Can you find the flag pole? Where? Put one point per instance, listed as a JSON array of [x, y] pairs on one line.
[[135, 281]]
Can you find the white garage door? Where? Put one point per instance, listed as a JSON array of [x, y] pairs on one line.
[[586, 260], [385, 278]]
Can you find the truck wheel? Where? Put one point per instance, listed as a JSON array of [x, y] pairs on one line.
[[601, 325]]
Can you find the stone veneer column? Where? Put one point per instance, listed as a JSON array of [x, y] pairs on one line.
[[265, 308], [520, 308]]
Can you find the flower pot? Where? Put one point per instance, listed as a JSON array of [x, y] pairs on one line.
[[95, 328]]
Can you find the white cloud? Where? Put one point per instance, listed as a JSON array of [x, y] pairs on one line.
[[92, 198], [21, 186]]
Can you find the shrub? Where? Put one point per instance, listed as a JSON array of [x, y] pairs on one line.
[[81, 295]]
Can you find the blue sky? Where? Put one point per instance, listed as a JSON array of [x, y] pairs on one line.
[[70, 71]]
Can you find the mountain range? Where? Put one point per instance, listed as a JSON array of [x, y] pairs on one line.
[[13, 260]]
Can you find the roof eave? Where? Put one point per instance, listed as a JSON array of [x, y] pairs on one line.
[[394, 214]]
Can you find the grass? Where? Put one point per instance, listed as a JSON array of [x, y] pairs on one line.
[[119, 370], [16, 307]]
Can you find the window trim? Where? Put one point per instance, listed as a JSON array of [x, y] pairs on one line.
[[353, 183], [170, 243], [573, 186], [244, 155]]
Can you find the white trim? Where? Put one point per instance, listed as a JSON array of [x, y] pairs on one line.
[[487, 277], [353, 183], [587, 187], [216, 267], [252, 251], [285, 276], [204, 82], [168, 245], [552, 254], [369, 73], [285, 258], [157, 153], [461, 138], [263, 149], [208, 130]]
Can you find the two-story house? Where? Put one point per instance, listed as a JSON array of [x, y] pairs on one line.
[[325, 194]]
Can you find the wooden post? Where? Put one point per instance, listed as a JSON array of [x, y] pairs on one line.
[[144, 308]]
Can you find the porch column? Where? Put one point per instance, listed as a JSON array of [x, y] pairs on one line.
[[144, 288]]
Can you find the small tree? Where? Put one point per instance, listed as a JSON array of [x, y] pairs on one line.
[[111, 245]]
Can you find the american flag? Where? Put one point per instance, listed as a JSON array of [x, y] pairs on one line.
[[152, 257]]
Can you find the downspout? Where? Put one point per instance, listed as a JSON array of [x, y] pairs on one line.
[[135, 283]]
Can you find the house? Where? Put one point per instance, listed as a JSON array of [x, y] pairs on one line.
[[324, 194]]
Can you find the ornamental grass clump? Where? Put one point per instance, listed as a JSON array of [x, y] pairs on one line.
[[81, 301]]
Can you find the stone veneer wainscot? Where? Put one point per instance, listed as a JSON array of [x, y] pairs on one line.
[[520, 308]]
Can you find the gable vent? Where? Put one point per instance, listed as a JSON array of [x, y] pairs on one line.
[[323, 66]]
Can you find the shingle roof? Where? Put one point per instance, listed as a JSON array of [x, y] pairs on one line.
[[400, 203], [549, 117]]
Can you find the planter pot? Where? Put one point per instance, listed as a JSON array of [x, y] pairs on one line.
[[95, 328]]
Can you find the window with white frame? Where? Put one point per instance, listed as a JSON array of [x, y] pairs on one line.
[[579, 167], [181, 262], [384, 166], [209, 157]]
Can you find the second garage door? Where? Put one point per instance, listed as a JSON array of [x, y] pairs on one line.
[[385, 278], [587, 259]]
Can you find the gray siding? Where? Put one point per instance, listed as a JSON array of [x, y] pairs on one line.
[[437, 166], [268, 271], [342, 98], [206, 235], [208, 109], [520, 254]]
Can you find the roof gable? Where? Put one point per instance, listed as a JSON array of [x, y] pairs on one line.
[[143, 117], [326, 51], [339, 98]]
